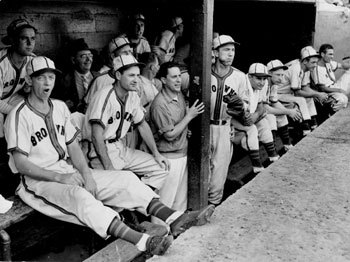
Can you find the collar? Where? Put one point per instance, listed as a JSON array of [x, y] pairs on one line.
[[169, 98]]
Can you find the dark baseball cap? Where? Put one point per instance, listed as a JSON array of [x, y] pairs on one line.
[[14, 28]]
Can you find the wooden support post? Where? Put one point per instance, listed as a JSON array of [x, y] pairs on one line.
[[200, 69]]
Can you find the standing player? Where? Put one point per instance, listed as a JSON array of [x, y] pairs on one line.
[[224, 80], [21, 38], [40, 136], [108, 118], [169, 122], [295, 88]]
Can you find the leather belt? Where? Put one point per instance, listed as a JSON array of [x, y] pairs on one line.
[[218, 122]]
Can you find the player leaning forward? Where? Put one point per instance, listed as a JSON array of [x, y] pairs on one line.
[[40, 136]]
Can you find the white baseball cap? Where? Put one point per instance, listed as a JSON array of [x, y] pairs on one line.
[[139, 17], [41, 64], [308, 51], [275, 65], [223, 40], [176, 21], [117, 43], [258, 69], [124, 62]]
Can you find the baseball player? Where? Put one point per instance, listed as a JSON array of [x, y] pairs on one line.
[[295, 87], [324, 78], [276, 112], [40, 136], [169, 122], [138, 42], [21, 41], [225, 79], [108, 118]]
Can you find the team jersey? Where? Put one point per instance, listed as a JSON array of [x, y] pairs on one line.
[[11, 78], [114, 115], [325, 74], [269, 93], [147, 92], [255, 97], [294, 79], [167, 43], [142, 46], [234, 81], [103, 80], [42, 138]]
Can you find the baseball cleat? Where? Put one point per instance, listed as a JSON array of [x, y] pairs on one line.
[[157, 245], [258, 169], [190, 219]]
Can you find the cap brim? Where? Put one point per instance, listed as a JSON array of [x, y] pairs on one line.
[[41, 71], [261, 75], [279, 67], [228, 43], [131, 65], [318, 56]]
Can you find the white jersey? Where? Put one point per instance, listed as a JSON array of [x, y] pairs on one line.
[[167, 43], [11, 78], [235, 81], [42, 138], [325, 74], [256, 96], [115, 116], [142, 46], [106, 79]]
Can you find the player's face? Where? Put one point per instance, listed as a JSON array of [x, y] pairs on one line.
[[172, 81], [129, 80], [328, 56], [257, 82], [139, 28], [277, 76], [225, 54], [83, 61], [125, 50], [25, 42], [154, 67], [311, 63], [42, 85]]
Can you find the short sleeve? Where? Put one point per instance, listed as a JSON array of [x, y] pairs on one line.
[[305, 79], [99, 109], [17, 132], [161, 120], [139, 113], [295, 74], [71, 127]]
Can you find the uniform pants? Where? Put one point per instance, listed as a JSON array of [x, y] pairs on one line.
[[341, 101], [142, 164], [344, 82], [120, 189], [246, 135], [264, 131], [276, 121], [220, 158], [306, 105]]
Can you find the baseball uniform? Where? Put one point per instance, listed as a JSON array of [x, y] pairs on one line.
[[116, 117], [167, 43], [44, 140]]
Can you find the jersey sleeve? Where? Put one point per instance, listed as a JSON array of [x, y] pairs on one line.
[[99, 108], [139, 113], [17, 132], [306, 79], [71, 127], [161, 119], [295, 72], [334, 65], [244, 89], [165, 40]]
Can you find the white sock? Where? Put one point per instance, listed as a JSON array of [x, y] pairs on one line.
[[173, 217], [141, 245]]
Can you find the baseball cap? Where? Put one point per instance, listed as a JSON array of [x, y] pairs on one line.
[[258, 69], [223, 40], [139, 17], [13, 29], [124, 62], [275, 65], [117, 43], [176, 21], [308, 51], [41, 64]]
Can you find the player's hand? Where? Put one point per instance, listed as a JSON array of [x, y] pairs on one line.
[[162, 161], [295, 114], [189, 133], [90, 185], [195, 110], [72, 179], [321, 97]]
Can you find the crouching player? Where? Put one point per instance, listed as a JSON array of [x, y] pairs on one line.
[[40, 137]]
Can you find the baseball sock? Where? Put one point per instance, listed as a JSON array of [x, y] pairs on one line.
[[117, 228], [255, 158], [274, 135], [283, 133], [270, 149], [161, 211]]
